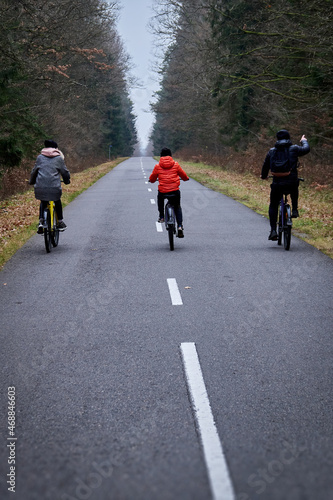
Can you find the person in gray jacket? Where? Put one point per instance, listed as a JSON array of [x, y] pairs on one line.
[[46, 178]]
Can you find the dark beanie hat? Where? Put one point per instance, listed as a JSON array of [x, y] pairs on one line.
[[282, 134], [166, 152], [50, 144]]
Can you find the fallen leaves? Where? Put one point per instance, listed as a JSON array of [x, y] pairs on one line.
[[315, 199], [17, 212]]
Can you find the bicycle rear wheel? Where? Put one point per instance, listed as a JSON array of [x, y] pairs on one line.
[[55, 231], [287, 229], [170, 224], [286, 237], [279, 227], [171, 231], [47, 232]]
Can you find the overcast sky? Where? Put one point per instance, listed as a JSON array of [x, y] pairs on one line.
[[138, 43]]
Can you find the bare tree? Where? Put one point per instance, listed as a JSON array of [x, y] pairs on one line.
[[235, 67], [64, 67]]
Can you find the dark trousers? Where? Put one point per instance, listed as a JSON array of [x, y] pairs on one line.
[[277, 190], [58, 208], [175, 199]]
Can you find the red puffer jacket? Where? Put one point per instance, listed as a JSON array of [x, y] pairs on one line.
[[168, 171]]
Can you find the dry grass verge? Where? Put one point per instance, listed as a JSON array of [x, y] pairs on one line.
[[19, 213], [315, 201]]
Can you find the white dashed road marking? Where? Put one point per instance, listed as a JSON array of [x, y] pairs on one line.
[[174, 292], [218, 473]]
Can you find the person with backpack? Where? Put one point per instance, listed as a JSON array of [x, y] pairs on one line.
[[169, 172], [282, 161], [46, 178]]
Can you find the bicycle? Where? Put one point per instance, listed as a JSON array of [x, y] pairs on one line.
[[50, 227], [285, 221]]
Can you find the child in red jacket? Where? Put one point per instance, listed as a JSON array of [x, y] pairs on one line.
[[169, 172]]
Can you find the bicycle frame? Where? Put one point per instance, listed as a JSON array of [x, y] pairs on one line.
[[51, 208], [170, 216], [51, 233], [285, 220]]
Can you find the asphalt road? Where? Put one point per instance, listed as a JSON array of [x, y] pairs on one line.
[[92, 343]]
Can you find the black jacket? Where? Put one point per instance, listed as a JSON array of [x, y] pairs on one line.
[[294, 152]]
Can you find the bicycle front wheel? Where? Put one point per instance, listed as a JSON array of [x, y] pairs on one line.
[[47, 233]]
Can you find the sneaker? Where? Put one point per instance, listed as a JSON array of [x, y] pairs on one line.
[[40, 229], [294, 213], [273, 235], [180, 232], [61, 225], [161, 220]]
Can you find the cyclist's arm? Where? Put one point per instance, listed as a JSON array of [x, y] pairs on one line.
[[182, 174], [33, 175], [65, 174], [266, 166], [153, 176], [304, 149]]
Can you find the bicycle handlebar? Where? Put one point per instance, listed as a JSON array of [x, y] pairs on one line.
[[272, 177]]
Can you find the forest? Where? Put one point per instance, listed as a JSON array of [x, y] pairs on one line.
[[232, 72], [63, 75], [235, 72]]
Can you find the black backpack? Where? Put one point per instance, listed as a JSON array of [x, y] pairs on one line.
[[280, 162]]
